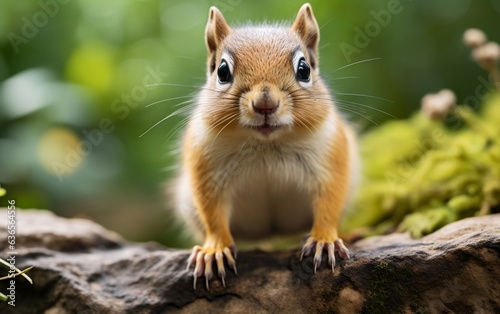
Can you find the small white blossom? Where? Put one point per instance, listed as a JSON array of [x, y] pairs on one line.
[[474, 37], [436, 106], [487, 55]]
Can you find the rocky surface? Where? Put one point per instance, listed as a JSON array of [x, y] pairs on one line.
[[82, 268]]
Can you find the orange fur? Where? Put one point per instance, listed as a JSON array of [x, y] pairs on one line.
[[207, 198], [329, 201]]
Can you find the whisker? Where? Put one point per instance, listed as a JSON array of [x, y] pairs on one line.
[[181, 124], [366, 106], [342, 106], [194, 87], [234, 115], [171, 84], [324, 46], [176, 112], [177, 127], [354, 63], [169, 169], [166, 100], [343, 78], [364, 116], [301, 122], [190, 103], [230, 121], [368, 96], [243, 146]]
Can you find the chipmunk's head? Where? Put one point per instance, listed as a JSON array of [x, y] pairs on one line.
[[264, 80]]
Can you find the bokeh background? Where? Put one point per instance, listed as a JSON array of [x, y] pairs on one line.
[[82, 80]]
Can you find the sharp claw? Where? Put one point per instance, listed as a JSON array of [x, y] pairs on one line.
[[306, 250], [222, 276], [317, 262], [233, 266], [234, 250], [192, 257], [198, 269], [311, 244], [208, 267], [222, 273], [305, 253], [330, 247], [342, 249], [219, 258], [331, 255], [228, 254], [230, 260], [204, 263], [318, 255], [208, 259]]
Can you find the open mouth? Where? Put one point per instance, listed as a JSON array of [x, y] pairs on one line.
[[266, 128]]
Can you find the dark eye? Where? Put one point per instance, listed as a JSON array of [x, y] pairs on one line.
[[303, 70], [224, 73]]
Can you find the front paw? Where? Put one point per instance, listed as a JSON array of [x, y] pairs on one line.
[[204, 257], [330, 247]]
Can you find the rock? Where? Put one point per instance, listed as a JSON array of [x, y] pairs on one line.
[[82, 268]]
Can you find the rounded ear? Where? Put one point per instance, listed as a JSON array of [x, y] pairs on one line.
[[306, 26], [216, 29]]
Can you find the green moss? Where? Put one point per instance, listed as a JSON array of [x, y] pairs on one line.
[[421, 175], [421, 223]]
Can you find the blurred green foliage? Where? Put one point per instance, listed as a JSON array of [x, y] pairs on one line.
[[444, 170], [83, 72]]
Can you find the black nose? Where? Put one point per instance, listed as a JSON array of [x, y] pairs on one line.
[[265, 106]]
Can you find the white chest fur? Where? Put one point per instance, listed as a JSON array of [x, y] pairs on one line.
[[268, 186], [271, 195]]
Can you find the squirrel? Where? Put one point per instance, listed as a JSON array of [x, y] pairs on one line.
[[265, 150]]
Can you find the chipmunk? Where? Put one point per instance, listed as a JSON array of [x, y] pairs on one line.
[[265, 151]]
